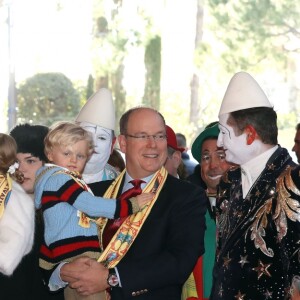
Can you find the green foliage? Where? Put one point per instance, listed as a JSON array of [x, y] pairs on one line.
[[90, 87], [153, 73], [113, 37], [256, 31], [102, 25], [119, 94], [110, 44], [287, 120], [46, 98]]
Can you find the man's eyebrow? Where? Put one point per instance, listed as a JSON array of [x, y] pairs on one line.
[[146, 133], [30, 156], [205, 151], [225, 129]]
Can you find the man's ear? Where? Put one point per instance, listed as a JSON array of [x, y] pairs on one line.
[[122, 142], [251, 134], [112, 144], [177, 158]]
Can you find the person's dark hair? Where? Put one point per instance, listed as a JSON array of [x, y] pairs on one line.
[[125, 117], [181, 140], [116, 160], [30, 139], [298, 126], [181, 171], [263, 119], [170, 151]]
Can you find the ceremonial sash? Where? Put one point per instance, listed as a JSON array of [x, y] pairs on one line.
[[128, 231], [5, 190]]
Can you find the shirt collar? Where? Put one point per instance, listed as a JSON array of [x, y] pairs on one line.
[[253, 168], [127, 185]]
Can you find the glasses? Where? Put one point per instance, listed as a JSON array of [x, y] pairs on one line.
[[146, 137], [206, 158]]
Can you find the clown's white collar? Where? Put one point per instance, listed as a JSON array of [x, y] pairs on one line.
[[90, 178], [253, 168]]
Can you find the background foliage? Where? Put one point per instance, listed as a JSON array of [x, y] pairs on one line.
[[198, 44], [47, 98]]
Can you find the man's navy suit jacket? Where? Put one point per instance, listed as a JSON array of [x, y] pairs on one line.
[[168, 245]]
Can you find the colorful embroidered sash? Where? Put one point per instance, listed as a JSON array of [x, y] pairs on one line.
[[5, 189], [128, 231]]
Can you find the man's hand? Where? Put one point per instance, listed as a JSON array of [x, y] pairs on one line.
[[69, 270], [85, 275]]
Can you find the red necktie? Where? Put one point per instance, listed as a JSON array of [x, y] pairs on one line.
[[113, 225]]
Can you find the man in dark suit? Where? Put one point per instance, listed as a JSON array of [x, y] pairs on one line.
[[153, 252]]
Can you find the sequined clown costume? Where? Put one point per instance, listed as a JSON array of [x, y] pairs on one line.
[[258, 246]]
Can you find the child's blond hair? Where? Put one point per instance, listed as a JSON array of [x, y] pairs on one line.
[[67, 133]]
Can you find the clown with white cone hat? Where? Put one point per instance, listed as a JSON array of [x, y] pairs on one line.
[[243, 92], [98, 117], [258, 222]]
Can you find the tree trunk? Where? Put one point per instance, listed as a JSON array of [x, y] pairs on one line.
[[195, 102]]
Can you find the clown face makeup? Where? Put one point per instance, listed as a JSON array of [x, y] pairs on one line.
[[103, 142], [236, 148]]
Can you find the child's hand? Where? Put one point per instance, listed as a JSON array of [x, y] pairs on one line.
[[143, 199]]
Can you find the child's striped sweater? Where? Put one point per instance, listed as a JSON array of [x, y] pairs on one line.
[[60, 197]]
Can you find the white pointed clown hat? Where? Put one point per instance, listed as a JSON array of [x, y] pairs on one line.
[[243, 92], [99, 110]]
